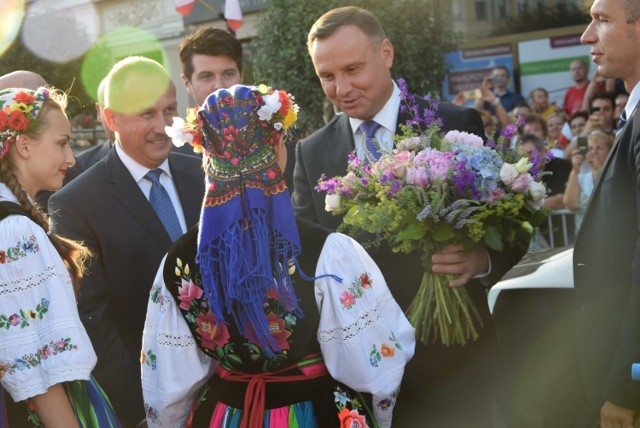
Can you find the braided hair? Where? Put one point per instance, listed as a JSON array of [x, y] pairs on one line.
[[73, 253]]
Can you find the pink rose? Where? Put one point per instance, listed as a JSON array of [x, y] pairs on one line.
[[417, 176], [211, 332], [347, 299], [188, 292], [521, 183], [400, 163]]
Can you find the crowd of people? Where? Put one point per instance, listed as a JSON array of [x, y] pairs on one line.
[[561, 137], [143, 284]]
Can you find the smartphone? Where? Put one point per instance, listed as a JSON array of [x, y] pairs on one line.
[[473, 94], [582, 145]]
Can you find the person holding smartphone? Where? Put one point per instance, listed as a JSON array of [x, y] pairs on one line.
[[601, 113], [593, 149]]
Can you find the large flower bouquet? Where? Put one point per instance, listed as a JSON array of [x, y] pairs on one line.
[[435, 189]]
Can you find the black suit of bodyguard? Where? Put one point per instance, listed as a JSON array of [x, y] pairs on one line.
[[442, 386], [107, 209], [606, 257]]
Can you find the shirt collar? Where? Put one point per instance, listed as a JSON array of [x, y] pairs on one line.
[[634, 98], [136, 170], [387, 116]]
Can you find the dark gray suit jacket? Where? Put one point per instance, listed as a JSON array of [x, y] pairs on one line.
[[606, 267], [437, 375], [105, 208]]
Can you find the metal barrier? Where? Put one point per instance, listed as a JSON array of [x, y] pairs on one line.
[[558, 231]]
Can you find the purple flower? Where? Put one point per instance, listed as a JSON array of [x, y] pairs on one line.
[[509, 131], [464, 181]]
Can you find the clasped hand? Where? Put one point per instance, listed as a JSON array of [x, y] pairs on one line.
[[455, 261]]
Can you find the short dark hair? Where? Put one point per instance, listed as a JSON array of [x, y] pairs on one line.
[[337, 18], [604, 96], [536, 118], [212, 42], [580, 113], [538, 142]]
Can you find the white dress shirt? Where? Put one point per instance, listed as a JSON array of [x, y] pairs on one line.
[[387, 117], [138, 172]]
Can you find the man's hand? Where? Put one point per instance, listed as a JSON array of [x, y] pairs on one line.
[[454, 260], [614, 416]]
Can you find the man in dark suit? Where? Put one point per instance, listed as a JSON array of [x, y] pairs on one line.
[[442, 386], [606, 259], [108, 208]]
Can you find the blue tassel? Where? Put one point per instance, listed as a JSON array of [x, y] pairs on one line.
[[246, 272]]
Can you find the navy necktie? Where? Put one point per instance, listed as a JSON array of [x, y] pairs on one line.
[[369, 129], [161, 203]]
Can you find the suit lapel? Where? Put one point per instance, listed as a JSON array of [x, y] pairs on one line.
[[337, 150], [126, 191]]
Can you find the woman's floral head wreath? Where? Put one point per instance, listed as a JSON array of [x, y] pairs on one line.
[[276, 113], [18, 109]]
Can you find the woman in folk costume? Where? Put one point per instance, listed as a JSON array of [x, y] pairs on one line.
[[46, 357], [236, 335]]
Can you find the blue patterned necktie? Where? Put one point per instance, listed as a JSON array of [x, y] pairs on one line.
[[369, 129], [161, 203]]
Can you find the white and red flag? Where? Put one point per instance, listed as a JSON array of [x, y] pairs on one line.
[[233, 14], [184, 6]]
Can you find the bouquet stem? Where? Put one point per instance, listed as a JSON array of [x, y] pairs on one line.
[[439, 311]]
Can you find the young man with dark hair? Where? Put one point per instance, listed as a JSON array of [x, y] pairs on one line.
[[211, 59]]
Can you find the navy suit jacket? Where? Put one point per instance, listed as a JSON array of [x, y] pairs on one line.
[[105, 209], [606, 263], [437, 375]]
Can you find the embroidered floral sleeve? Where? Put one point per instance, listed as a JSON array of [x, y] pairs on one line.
[[43, 341], [168, 344], [365, 338]]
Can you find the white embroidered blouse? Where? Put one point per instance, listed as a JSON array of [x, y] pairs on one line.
[[358, 331], [42, 340]]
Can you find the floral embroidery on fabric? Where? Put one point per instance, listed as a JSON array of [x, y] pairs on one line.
[[215, 339], [23, 317], [158, 298], [149, 359], [281, 324], [152, 414], [349, 408], [356, 291], [388, 402], [29, 361], [21, 249], [385, 351], [213, 336]]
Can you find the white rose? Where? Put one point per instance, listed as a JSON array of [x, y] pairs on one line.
[[264, 113], [272, 102], [176, 132], [508, 173], [537, 191], [523, 165], [332, 203]]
